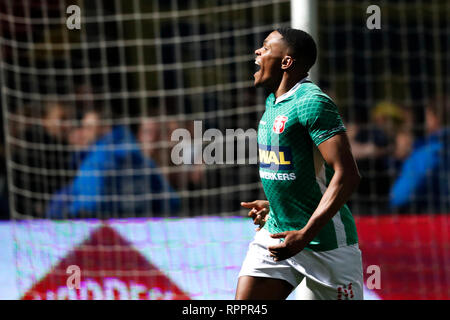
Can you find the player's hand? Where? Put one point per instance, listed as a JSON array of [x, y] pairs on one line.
[[259, 212], [294, 242]]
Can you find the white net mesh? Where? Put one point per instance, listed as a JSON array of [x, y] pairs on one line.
[[383, 80], [133, 73], [89, 114], [390, 84]]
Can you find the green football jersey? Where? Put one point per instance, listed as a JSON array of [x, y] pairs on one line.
[[293, 173]]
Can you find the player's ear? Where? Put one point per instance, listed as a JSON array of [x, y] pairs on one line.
[[287, 62]]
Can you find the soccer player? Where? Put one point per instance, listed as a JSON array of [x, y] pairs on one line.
[[306, 236]]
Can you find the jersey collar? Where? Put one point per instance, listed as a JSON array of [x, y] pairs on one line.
[[291, 92]]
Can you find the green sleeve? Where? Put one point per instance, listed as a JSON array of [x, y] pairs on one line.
[[320, 116]]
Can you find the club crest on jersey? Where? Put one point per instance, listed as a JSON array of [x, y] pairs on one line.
[[279, 123]]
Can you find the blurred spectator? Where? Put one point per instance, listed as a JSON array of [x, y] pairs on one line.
[[156, 144], [192, 174], [55, 121], [81, 138], [378, 138], [149, 136], [423, 183], [114, 178], [373, 146], [43, 156]]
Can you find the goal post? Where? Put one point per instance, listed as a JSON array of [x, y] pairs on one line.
[[304, 17]]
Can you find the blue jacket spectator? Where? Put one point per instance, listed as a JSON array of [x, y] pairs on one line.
[[115, 179], [423, 183]]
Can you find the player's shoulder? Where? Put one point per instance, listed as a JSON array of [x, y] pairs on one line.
[[310, 95]]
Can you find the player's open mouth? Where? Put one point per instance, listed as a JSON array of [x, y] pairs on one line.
[[258, 67]]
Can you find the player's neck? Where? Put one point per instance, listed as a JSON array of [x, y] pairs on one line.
[[287, 82]]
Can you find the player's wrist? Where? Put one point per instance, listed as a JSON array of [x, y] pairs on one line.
[[307, 234]]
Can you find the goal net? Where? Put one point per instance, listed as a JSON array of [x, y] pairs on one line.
[[121, 161], [89, 115]]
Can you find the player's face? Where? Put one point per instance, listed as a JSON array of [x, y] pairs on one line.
[[269, 58]]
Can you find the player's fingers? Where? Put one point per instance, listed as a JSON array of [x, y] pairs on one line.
[[248, 205], [252, 213], [258, 216], [263, 212], [276, 248], [279, 235], [278, 255]]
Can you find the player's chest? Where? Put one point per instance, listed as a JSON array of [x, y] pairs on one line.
[[277, 125]]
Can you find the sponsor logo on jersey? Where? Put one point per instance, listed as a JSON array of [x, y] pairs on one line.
[[275, 158], [279, 124], [277, 176]]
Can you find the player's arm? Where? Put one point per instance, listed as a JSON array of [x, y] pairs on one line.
[[336, 152]]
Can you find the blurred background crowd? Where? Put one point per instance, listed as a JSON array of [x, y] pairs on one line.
[[404, 160], [404, 167], [88, 163], [90, 112]]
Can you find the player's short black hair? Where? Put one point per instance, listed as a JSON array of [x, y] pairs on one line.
[[302, 45]]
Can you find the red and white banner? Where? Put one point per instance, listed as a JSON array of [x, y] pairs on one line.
[[200, 258], [111, 268]]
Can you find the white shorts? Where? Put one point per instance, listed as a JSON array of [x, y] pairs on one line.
[[320, 275]]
